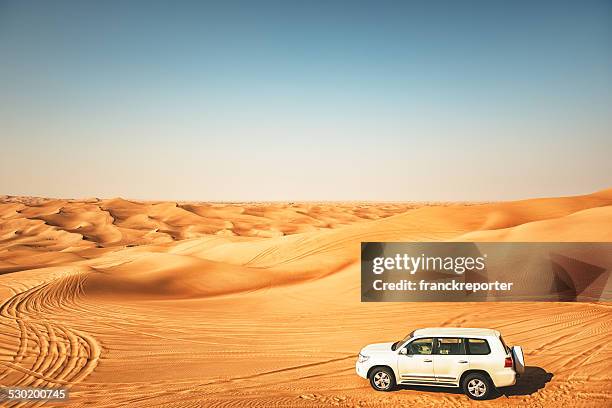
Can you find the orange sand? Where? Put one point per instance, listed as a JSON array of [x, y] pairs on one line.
[[160, 304]]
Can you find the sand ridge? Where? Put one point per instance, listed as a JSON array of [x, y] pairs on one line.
[[257, 304]]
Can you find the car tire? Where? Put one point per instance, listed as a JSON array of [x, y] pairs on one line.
[[477, 386], [382, 379]]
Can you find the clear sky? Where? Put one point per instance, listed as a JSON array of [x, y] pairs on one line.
[[305, 100]]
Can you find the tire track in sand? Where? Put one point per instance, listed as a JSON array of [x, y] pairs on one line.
[[49, 354]]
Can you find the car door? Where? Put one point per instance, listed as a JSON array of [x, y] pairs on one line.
[[415, 364], [479, 354], [450, 359]]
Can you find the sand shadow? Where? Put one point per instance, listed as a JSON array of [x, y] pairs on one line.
[[533, 380], [426, 388]]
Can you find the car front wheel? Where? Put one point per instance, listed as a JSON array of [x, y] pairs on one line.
[[477, 386], [382, 379]]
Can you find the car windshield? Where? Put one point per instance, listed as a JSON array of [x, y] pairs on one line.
[[402, 341], [405, 339]]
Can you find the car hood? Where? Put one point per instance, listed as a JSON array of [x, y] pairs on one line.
[[377, 348]]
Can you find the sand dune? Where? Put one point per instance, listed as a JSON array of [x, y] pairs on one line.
[[585, 225], [158, 304]]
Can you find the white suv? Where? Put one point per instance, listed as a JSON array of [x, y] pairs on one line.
[[475, 359]]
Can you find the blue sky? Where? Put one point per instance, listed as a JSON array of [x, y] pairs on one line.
[[313, 100]]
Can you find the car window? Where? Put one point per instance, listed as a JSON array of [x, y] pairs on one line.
[[450, 346], [420, 346], [478, 346]]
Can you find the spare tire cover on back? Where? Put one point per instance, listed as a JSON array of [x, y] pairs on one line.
[[519, 359]]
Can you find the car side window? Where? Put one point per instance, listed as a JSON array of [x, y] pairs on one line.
[[478, 347], [420, 346], [450, 346]]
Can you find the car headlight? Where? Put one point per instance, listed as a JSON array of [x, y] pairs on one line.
[[362, 358]]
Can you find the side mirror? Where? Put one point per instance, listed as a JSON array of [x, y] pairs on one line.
[[404, 351]]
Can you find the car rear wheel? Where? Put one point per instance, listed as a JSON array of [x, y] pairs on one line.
[[477, 386], [382, 379]]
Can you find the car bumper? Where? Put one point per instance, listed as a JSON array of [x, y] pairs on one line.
[[361, 369], [505, 378]]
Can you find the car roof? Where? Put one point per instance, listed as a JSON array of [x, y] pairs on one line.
[[455, 331]]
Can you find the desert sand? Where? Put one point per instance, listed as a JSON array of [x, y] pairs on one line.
[[163, 304]]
